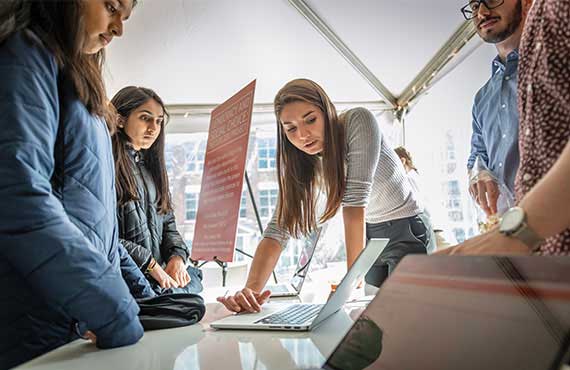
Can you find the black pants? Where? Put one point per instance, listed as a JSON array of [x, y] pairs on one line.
[[407, 236]]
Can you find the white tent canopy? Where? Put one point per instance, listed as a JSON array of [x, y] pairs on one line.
[[197, 53]]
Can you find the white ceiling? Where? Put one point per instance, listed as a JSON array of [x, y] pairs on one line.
[[203, 51]]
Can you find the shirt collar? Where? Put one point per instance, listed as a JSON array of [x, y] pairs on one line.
[[512, 58], [137, 155]]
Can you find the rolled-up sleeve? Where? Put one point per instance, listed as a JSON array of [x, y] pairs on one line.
[[363, 139], [273, 231], [478, 148]]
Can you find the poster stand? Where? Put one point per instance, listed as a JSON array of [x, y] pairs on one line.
[[224, 265], [217, 218]]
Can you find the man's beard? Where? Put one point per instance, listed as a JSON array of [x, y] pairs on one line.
[[511, 27]]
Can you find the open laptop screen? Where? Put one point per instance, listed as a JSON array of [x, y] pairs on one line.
[[438, 313], [305, 258]]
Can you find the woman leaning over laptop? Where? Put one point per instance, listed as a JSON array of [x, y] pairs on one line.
[[346, 161]]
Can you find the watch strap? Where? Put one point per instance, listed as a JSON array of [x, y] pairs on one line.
[[529, 237]]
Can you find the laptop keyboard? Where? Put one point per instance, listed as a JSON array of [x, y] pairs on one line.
[[294, 315]]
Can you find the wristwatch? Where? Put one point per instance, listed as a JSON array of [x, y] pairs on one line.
[[151, 265], [513, 224]]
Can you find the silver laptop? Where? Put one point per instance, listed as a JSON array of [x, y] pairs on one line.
[[305, 316], [293, 287]]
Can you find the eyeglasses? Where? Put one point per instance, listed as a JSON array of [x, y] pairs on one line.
[[471, 10]]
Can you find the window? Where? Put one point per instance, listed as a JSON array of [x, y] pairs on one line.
[[267, 202], [266, 153], [459, 235], [195, 153], [453, 203], [239, 245], [451, 167], [243, 204], [169, 159], [191, 202], [188, 239], [456, 216], [453, 188]]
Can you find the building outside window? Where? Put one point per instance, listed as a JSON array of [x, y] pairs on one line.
[[191, 203], [266, 153], [456, 216], [453, 202], [239, 245], [267, 202], [453, 188], [243, 204], [195, 152], [459, 234]]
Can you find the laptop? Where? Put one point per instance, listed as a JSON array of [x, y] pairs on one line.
[[293, 288], [468, 313], [305, 316]]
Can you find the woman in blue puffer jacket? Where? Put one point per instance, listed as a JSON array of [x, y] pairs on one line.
[[64, 273]]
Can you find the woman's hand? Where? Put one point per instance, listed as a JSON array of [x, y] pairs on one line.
[[491, 243], [90, 336], [163, 278], [245, 300], [176, 268]]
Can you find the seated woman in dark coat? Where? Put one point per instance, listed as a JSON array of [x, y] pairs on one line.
[[147, 227]]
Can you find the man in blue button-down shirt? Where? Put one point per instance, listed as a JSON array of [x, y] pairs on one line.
[[495, 114]]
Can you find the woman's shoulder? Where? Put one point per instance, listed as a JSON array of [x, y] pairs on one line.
[[25, 49], [357, 114], [360, 122]]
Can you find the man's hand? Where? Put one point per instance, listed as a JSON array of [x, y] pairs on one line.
[[163, 278], [491, 243], [485, 191], [176, 269], [245, 300]]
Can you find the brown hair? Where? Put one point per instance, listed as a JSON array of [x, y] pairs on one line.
[[126, 101], [406, 156], [59, 25], [301, 176]]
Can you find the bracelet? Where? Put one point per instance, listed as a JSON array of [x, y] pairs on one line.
[[151, 265]]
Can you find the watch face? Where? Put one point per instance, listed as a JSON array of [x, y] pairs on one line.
[[512, 219]]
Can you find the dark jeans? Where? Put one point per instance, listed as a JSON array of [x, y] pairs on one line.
[[194, 286], [407, 236]]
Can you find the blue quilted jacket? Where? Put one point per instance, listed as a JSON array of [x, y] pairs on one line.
[[62, 269]]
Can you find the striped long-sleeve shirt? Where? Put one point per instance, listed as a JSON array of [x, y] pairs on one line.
[[375, 178]]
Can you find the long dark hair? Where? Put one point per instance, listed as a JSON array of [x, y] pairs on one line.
[[301, 176], [59, 26], [126, 101]]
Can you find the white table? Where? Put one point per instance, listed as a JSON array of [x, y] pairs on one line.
[[201, 347]]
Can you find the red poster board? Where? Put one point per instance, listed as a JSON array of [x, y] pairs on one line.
[[222, 179]]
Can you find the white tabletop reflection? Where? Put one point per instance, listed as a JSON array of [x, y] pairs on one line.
[[200, 347]]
